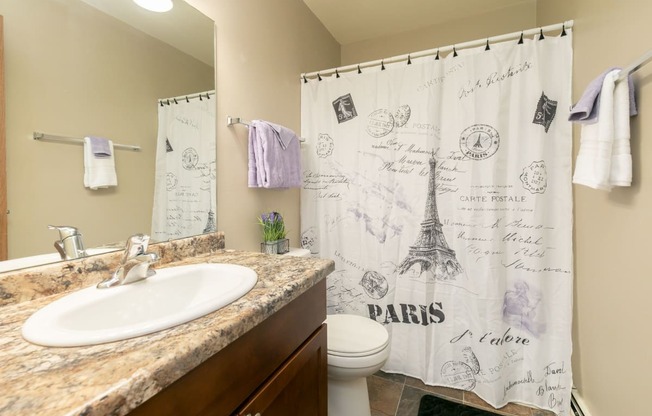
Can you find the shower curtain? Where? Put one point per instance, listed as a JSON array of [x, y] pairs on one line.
[[442, 190], [185, 187]]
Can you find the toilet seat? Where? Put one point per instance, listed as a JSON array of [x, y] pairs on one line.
[[355, 341], [366, 361]]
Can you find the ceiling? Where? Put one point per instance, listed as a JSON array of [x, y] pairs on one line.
[[183, 27], [352, 21], [348, 21]]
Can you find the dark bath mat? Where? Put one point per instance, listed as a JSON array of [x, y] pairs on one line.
[[434, 406]]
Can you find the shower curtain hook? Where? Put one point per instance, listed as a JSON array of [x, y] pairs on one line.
[[563, 29], [437, 56], [208, 97], [187, 100], [175, 101], [454, 52], [486, 48], [200, 98], [168, 102], [409, 61], [305, 80], [520, 41], [382, 65], [337, 74], [541, 37], [359, 72], [318, 76], [161, 102]]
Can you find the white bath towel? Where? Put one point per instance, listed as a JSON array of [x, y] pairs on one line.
[[99, 172], [604, 158], [621, 155]]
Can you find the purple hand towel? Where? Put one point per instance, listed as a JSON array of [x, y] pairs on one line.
[[283, 135], [274, 156], [587, 108], [100, 147]]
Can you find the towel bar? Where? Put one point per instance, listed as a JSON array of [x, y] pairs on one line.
[[50, 137], [230, 121], [635, 66]]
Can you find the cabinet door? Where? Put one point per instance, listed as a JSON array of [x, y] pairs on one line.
[[298, 387]]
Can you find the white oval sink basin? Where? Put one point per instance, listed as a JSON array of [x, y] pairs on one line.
[[173, 296]]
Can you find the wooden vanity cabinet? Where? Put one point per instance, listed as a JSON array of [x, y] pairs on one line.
[[277, 368], [295, 388]]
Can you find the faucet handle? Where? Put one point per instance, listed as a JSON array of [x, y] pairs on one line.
[[135, 263], [137, 268], [136, 245]]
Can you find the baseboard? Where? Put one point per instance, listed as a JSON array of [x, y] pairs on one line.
[[578, 407]]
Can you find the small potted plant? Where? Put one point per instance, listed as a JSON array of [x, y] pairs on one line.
[[274, 241]]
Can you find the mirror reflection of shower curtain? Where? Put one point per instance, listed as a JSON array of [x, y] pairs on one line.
[[185, 187]]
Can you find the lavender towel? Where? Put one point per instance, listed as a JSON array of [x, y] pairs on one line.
[[100, 147], [587, 108], [274, 156]]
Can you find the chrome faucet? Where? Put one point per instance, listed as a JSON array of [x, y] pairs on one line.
[[134, 265], [70, 244]]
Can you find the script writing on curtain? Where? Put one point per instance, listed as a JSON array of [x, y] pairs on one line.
[[442, 189]]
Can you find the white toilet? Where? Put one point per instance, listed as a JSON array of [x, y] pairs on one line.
[[357, 348]]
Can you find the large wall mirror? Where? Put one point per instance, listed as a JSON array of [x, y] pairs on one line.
[[76, 68]]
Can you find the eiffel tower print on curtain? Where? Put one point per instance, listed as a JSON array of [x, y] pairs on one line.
[[430, 249]]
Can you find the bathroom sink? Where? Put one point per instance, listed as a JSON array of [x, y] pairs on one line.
[[173, 296]]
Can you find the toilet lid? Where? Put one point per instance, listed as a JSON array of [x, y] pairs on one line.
[[352, 335]]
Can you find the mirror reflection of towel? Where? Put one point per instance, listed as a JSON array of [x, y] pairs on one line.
[[100, 147], [99, 172], [274, 156]]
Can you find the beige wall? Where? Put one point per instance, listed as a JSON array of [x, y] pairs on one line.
[[612, 333], [512, 19], [262, 48], [73, 71]]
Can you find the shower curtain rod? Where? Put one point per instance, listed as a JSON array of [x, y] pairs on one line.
[[176, 100], [515, 35]]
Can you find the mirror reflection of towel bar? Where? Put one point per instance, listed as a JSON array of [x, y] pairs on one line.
[[49, 137], [230, 121]]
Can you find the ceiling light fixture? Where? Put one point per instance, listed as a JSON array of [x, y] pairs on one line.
[[155, 5]]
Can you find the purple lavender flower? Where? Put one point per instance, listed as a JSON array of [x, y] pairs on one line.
[[273, 226]]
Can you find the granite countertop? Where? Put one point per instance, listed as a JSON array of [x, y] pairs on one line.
[[116, 377]]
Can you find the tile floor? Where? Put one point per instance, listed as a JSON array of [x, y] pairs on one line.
[[398, 395]]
